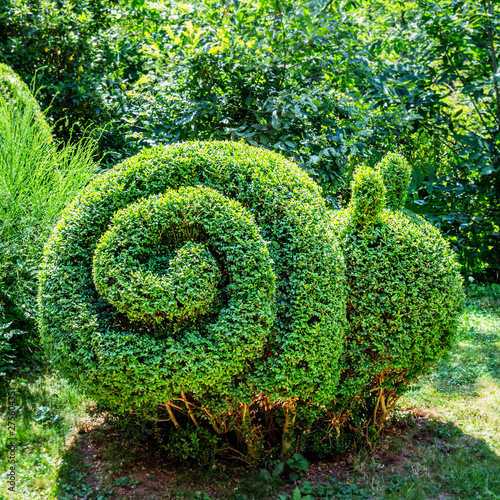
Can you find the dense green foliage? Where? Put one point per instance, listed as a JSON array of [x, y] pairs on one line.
[[405, 293], [154, 345], [154, 266], [440, 63], [260, 71], [186, 254], [330, 84], [368, 196], [458, 442], [78, 62], [210, 273], [396, 174]]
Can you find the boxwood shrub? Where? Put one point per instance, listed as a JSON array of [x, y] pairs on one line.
[[211, 275], [199, 268], [15, 91], [404, 292]]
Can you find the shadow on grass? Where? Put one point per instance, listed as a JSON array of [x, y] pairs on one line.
[[34, 417], [476, 355], [103, 463], [421, 457], [46, 410]]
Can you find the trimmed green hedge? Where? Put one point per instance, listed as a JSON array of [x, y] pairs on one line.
[[14, 90], [211, 273], [405, 290], [207, 267]]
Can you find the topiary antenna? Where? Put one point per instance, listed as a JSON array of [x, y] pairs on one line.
[[396, 173], [368, 195]]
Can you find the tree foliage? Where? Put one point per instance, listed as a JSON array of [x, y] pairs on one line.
[[76, 56], [441, 66], [264, 72]]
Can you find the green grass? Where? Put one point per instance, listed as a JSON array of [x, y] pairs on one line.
[[465, 387], [443, 442], [48, 410]]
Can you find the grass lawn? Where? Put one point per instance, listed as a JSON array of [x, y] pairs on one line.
[[442, 443]]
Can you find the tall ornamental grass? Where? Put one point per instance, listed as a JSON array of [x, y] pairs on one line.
[[37, 178]]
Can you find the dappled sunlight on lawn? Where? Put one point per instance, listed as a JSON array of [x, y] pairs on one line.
[[465, 387], [46, 415]]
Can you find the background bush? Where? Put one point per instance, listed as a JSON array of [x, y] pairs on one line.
[[77, 58], [37, 178], [330, 85], [263, 72], [15, 92]]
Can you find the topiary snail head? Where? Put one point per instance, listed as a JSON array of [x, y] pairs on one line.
[[396, 174], [375, 189], [404, 286], [368, 196]]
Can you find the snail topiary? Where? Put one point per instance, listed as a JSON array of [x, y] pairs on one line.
[[405, 291], [202, 267], [13, 89]]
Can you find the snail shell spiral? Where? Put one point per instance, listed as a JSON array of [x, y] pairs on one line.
[[195, 266]]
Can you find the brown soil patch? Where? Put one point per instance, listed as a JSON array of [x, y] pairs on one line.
[[148, 476]]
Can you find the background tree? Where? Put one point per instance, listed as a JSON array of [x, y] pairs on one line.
[[443, 69]]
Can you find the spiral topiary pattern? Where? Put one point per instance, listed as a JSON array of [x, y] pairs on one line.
[[203, 266]]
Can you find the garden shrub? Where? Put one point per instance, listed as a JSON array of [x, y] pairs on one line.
[[201, 268], [16, 92], [205, 280], [396, 174], [405, 292]]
